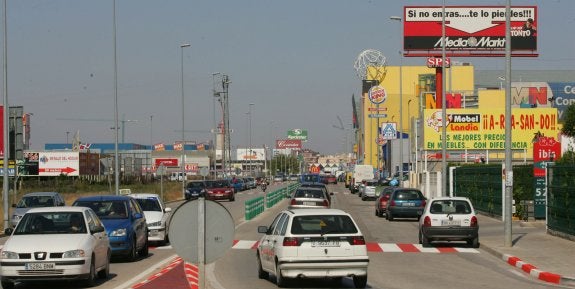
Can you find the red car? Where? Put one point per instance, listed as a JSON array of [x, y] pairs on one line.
[[381, 201], [330, 179], [220, 190]]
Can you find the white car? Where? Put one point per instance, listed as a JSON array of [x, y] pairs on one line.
[[56, 243], [367, 190], [157, 216], [449, 219], [312, 243]]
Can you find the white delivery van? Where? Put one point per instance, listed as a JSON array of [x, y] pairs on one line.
[[360, 173]]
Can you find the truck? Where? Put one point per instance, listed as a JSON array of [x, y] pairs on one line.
[[360, 173]]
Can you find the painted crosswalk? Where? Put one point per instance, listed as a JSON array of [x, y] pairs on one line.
[[379, 248]]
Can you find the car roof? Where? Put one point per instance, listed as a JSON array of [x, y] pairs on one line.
[[449, 198], [41, 194], [312, 184], [144, 196], [57, 209], [323, 211], [105, 198]]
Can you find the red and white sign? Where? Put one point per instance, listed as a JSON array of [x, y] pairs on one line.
[[192, 168], [167, 162], [288, 144], [434, 62], [178, 146], [545, 149], [468, 29], [377, 94], [59, 163], [159, 147]]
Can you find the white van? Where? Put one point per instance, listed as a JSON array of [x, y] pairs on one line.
[[177, 176], [360, 173]]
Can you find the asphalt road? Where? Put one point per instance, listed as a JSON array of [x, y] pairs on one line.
[[387, 270]]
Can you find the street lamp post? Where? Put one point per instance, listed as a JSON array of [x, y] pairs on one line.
[[409, 139], [183, 162], [250, 137], [397, 18]]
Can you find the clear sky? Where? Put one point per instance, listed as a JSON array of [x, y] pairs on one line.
[[293, 59]]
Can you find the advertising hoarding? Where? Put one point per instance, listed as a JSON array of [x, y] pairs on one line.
[[59, 163], [484, 129], [288, 144], [254, 154], [300, 134], [468, 29]]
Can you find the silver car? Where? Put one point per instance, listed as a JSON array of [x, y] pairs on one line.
[[34, 200], [309, 197]]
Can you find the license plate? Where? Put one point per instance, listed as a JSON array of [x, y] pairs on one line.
[[450, 222], [153, 232], [309, 203], [332, 243], [409, 204], [40, 266]]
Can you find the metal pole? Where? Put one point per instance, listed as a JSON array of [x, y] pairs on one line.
[[216, 128], [508, 153], [5, 185], [250, 128], [397, 18], [116, 124], [183, 164], [443, 109]]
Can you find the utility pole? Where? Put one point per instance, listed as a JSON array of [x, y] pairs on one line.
[[227, 143]]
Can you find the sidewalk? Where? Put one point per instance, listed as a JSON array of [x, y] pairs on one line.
[[543, 256]]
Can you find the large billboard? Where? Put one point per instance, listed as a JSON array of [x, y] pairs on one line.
[[58, 163], [288, 144], [484, 129], [297, 133], [469, 30], [253, 154]]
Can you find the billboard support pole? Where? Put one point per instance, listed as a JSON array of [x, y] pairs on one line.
[[507, 213]]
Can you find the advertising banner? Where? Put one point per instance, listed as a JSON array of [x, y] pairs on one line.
[[254, 154], [468, 29], [167, 162], [300, 134], [288, 144], [545, 149], [479, 129], [59, 163]]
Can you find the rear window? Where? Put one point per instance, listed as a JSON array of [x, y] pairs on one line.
[[450, 207], [323, 224], [408, 195], [317, 194]]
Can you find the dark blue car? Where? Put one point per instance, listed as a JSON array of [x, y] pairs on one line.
[[124, 221]]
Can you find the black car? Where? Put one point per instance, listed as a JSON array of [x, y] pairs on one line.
[[195, 189]]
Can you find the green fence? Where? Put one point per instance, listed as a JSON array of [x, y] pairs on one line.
[[254, 207], [561, 199], [482, 185]]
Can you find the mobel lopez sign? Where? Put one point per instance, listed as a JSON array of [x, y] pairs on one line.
[[545, 149], [288, 144]]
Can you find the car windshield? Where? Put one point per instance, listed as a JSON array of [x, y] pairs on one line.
[[450, 207], [35, 202], [315, 194], [51, 223], [195, 185], [108, 209], [323, 224], [149, 204]]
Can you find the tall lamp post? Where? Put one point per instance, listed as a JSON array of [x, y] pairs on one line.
[[250, 137], [397, 18], [183, 164]]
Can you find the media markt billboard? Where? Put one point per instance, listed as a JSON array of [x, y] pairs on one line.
[[468, 29], [484, 129], [297, 133]]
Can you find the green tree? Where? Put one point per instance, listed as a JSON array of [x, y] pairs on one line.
[[569, 121]]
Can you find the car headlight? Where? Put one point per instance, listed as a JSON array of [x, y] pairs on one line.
[[155, 224], [74, 254], [9, 255], [118, 233]]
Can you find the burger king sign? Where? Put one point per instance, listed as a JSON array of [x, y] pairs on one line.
[[377, 94]]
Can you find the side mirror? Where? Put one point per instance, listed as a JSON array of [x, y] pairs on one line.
[[167, 210], [8, 231], [138, 216], [98, 229], [13, 205], [331, 194], [261, 229]]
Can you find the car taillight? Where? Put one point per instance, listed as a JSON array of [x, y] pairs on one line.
[[325, 203], [293, 202], [423, 203], [357, 240], [427, 221], [290, 241], [392, 203], [473, 221], [383, 202]]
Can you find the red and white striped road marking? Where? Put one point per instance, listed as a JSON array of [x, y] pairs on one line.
[[380, 247], [177, 261], [532, 270], [192, 274]]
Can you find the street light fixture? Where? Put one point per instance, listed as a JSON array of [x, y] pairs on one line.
[[398, 18], [183, 164]]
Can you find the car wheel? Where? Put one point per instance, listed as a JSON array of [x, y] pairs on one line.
[[425, 241], [473, 242], [280, 280], [261, 273], [91, 280], [104, 273], [376, 213], [389, 216], [232, 198], [7, 284], [363, 198], [360, 281], [145, 250], [133, 253]]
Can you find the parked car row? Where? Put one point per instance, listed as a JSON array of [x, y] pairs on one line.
[[77, 242]]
